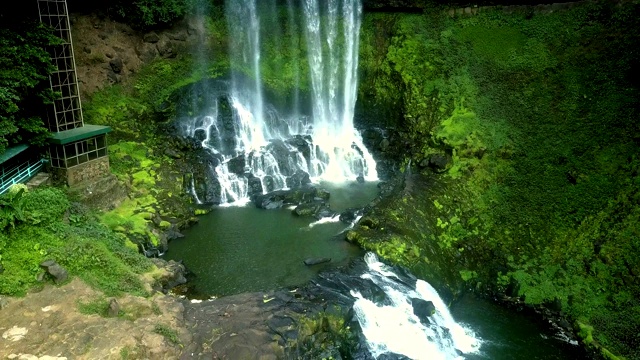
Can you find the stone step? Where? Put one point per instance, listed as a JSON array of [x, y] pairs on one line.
[[42, 178]]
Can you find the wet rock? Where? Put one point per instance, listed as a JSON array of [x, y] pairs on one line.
[[279, 198], [302, 144], [317, 209], [269, 204], [269, 183], [172, 276], [300, 178], [237, 164], [325, 212], [54, 269], [350, 215], [316, 261], [360, 179], [438, 162], [173, 233], [116, 65], [255, 186], [423, 309], [306, 209], [151, 37], [114, 308], [322, 194], [200, 135]]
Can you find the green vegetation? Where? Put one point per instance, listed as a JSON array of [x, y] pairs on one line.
[[324, 335], [98, 306], [170, 334], [147, 14], [50, 228], [537, 113], [24, 65]]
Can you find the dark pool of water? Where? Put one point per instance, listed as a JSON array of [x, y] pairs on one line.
[[239, 249], [512, 335]]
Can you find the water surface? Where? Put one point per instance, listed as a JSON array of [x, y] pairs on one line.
[[240, 249]]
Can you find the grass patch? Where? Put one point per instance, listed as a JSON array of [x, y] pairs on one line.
[[169, 334]]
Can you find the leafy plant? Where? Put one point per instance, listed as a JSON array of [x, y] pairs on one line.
[[150, 13], [24, 67], [11, 209]]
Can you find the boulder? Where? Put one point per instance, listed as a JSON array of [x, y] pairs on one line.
[[151, 37], [255, 186], [113, 310], [316, 261], [173, 274], [350, 215], [423, 309], [166, 48], [438, 162], [116, 65], [324, 212], [278, 198], [200, 135], [113, 77], [146, 52], [237, 165], [54, 269], [300, 178], [180, 35], [173, 233]]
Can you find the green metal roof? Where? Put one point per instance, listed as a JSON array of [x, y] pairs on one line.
[[77, 134], [12, 151]]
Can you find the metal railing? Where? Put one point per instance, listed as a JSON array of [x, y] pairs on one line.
[[19, 174]]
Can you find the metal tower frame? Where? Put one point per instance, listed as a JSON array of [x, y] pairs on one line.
[[67, 108]]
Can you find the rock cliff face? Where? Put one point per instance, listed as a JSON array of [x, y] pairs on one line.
[[109, 52]]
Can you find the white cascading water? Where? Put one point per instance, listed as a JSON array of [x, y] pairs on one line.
[[334, 88], [396, 329], [331, 149]]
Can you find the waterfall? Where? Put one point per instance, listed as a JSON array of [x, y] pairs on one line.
[[394, 327], [258, 148]]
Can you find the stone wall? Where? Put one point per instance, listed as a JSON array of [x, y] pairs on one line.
[[88, 171]]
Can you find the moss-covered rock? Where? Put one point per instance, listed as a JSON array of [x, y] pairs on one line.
[[537, 122]]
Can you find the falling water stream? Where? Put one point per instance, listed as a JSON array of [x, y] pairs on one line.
[[256, 147]]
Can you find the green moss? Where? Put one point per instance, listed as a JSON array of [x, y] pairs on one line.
[[536, 113], [201, 211], [84, 248], [324, 335], [169, 334]]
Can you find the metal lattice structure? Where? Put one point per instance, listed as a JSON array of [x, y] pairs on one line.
[[77, 151], [67, 108]]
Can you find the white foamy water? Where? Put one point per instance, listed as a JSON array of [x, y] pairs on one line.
[[326, 220], [275, 145], [396, 329]]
